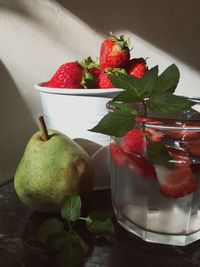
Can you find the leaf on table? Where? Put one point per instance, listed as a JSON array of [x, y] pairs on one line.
[[49, 227], [78, 241], [55, 242], [71, 207], [99, 225], [72, 252], [70, 257]]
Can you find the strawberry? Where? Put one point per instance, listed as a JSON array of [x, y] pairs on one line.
[[193, 147], [95, 72], [103, 80], [136, 67], [180, 156], [68, 75], [154, 134], [118, 156], [114, 53], [178, 183], [91, 66], [134, 142], [142, 167], [185, 135], [136, 163], [196, 169]]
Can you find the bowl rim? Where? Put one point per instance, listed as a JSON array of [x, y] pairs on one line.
[[68, 91]]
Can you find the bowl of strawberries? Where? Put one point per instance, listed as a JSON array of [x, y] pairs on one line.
[[75, 97]]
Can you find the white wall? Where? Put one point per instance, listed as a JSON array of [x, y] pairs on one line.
[[38, 36]]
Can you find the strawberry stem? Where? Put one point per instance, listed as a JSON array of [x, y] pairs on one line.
[[145, 114], [145, 107]]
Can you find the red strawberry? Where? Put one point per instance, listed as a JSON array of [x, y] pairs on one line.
[[134, 142], [184, 134], [137, 67], [136, 163], [95, 72], [69, 75], [193, 147], [196, 169], [179, 156], [142, 167], [178, 183], [114, 53], [103, 79], [154, 134], [119, 157]]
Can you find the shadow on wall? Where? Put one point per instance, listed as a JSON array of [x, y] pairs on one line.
[[173, 26], [16, 125]]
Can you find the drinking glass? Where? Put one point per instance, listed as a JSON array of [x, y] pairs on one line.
[[155, 173]]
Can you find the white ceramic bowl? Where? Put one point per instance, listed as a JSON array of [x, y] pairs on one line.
[[73, 112]]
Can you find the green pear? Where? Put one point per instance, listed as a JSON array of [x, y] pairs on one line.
[[52, 169]]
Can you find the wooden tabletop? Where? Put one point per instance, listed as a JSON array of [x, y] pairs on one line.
[[18, 225]]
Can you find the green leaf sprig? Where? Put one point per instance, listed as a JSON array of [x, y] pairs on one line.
[[155, 92], [60, 237]]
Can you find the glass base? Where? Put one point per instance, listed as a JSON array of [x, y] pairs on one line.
[[148, 236]]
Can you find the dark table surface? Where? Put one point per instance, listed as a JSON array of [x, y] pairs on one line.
[[18, 225]]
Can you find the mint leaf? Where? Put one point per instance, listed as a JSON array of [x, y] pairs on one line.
[[148, 81], [127, 82], [168, 80], [55, 241], [71, 207], [122, 107], [89, 80], [128, 96], [136, 89], [115, 123], [166, 103], [48, 228], [78, 241], [158, 154], [71, 254], [99, 225]]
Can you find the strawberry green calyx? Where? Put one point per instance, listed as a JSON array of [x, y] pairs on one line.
[[121, 41], [89, 63], [88, 80], [116, 71]]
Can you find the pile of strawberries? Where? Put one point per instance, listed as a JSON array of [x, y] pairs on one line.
[[114, 59]]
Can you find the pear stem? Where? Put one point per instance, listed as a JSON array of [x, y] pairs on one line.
[[45, 135]]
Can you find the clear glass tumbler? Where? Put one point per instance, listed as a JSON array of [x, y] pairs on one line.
[[155, 173]]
